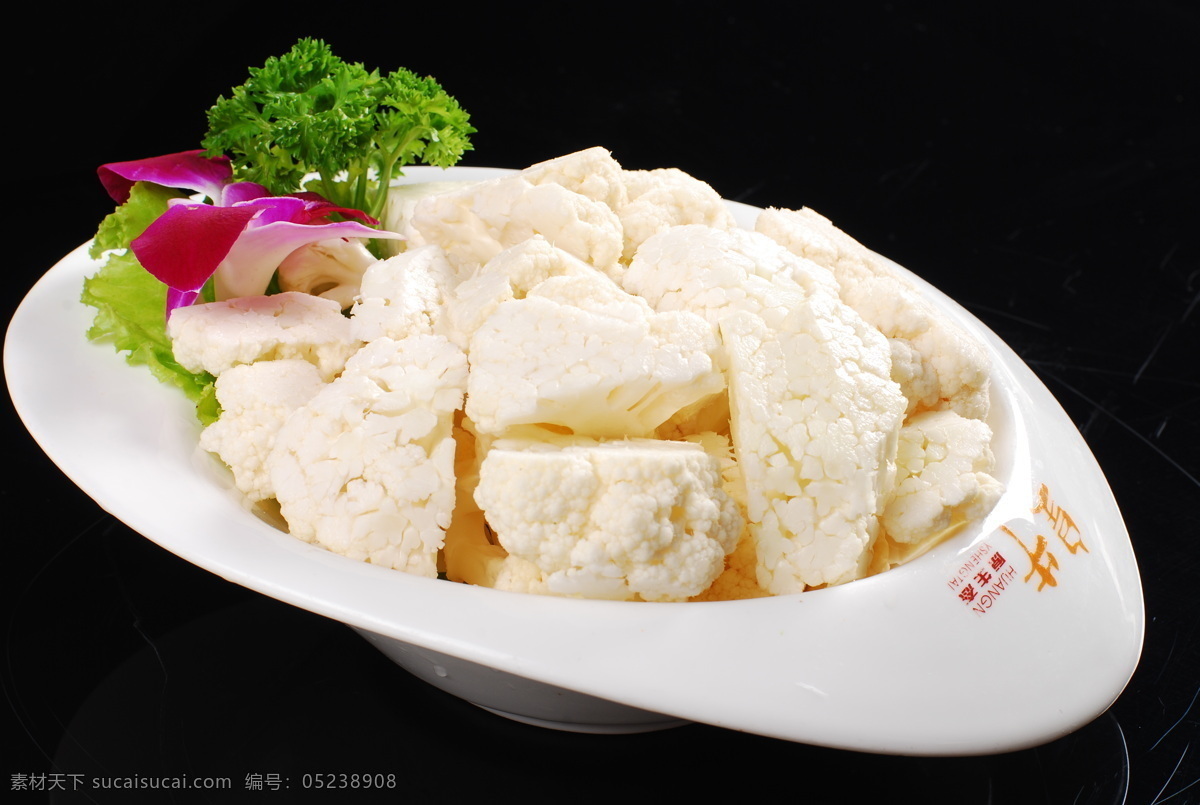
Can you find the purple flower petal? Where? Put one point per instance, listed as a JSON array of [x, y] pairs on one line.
[[320, 207], [177, 298], [242, 244], [187, 170], [184, 245], [236, 192]]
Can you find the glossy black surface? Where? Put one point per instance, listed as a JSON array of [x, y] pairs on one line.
[[1040, 166]]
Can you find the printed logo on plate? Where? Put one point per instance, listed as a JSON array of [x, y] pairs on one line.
[[1020, 552]]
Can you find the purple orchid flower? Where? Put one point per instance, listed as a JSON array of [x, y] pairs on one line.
[[240, 245], [239, 239], [187, 170]]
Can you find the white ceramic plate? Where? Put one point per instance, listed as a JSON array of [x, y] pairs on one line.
[[910, 661]]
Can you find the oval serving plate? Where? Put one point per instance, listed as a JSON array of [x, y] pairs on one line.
[[1014, 632]]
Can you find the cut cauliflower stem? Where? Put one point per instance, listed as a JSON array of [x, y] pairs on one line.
[[580, 354], [366, 468], [331, 269], [609, 519], [937, 364], [256, 399], [220, 335]]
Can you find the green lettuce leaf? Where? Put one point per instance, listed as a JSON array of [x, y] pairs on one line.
[[146, 202], [130, 303]]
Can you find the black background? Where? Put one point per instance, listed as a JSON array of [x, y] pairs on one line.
[[1039, 164]]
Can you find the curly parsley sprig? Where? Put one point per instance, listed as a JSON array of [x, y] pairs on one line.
[[308, 111]]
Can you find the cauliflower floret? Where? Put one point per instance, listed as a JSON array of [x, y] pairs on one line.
[[815, 418], [403, 295], [943, 476], [591, 172], [256, 399], [942, 367], [579, 353], [711, 272], [331, 269], [366, 468], [509, 275], [402, 200], [620, 520], [476, 223], [217, 336], [666, 197]]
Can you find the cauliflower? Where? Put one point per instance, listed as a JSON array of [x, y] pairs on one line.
[[943, 466], [578, 353], [366, 467], [402, 200], [739, 580], [659, 406], [470, 554], [256, 399], [476, 223], [509, 275], [712, 272], [666, 197], [402, 296], [936, 363], [592, 173], [814, 413], [609, 519], [815, 419], [220, 335], [331, 269]]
